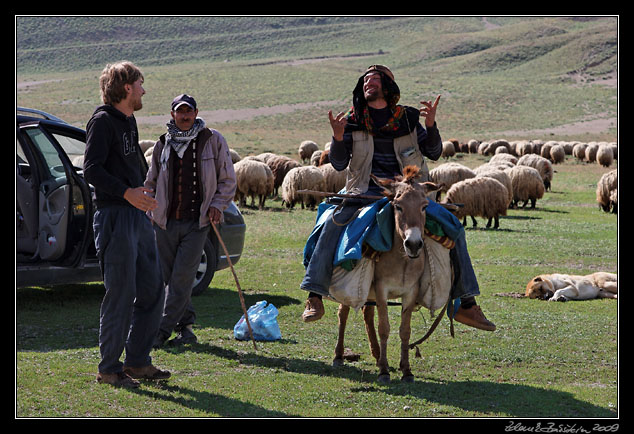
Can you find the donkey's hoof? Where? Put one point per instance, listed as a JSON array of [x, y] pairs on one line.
[[407, 378], [384, 378]]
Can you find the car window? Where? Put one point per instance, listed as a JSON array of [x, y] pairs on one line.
[[54, 166], [74, 148]]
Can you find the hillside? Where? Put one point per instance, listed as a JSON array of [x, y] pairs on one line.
[[496, 74]]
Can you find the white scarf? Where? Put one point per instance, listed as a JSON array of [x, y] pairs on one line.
[[179, 140]]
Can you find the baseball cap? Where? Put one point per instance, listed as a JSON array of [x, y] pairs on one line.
[[183, 99]]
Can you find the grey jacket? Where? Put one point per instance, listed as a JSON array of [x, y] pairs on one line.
[[218, 179]]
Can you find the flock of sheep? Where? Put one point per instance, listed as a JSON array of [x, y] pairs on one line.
[[517, 172]]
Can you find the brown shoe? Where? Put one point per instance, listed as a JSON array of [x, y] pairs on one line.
[[149, 372], [474, 317], [118, 379], [314, 309]]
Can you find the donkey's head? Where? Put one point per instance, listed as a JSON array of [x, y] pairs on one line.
[[408, 198]]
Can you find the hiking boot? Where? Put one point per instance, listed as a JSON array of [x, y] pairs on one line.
[[314, 309], [149, 372], [118, 379], [185, 336], [474, 317]]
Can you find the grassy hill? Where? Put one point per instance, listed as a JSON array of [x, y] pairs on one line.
[[495, 74]]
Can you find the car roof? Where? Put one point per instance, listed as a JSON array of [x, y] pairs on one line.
[[33, 115]]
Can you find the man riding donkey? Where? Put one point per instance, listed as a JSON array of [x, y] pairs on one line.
[[378, 137]]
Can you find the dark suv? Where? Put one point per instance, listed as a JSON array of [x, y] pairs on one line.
[[54, 209]]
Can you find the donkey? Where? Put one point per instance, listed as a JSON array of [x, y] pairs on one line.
[[397, 272]]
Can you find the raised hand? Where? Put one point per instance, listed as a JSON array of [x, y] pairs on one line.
[[428, 111], [338, 125]]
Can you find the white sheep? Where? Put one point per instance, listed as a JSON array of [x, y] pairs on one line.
[[543, 166], [448, 174], [448, 149], [523, 147], [253, 178], [579, 151], [481, 196], [503, 178], [235, 157], [527, 185], [504, 158], [557, 154], [302, 178], [145, 144], [591, 152], [306, 149], [473, 146], [605, 155], [334, 179], [607, 191]]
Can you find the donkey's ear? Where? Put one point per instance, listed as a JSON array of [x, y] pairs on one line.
[[387, 184], [430, 187]]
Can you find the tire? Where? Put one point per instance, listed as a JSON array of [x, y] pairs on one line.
[[206, 268]]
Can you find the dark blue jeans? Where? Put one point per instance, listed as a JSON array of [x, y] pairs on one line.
[[131, 308]]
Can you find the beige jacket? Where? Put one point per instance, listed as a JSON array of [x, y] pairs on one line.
[[217, 175]]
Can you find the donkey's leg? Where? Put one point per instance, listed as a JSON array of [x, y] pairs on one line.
[[368, 319], [405, 333], [384, 333], [342, 314]]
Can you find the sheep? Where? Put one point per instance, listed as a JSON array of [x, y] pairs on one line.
[[527, 184], [607, 191], [504, 158], [579, 151], [543, 166], [280, 166], [448, 174], [235, 157], [302, 178], [537, 146], [523, 147], [504, 179], [265, 156], [145, 144], [591, 152], [306, 149], [253, 178], [481, 196], [334, 179], [486, 167], [495, 145], [605, 155], [473, 146], [557, 154], [448, 149], [314, 158]]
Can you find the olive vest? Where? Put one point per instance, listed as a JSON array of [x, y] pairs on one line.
[[407, 153]]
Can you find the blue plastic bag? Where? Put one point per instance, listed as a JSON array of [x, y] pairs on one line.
[[263, 320]]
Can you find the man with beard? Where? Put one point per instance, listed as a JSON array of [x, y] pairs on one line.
[[124, 239], [379, 137]]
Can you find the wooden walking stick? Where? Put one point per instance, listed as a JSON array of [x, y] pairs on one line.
[[235, 276]]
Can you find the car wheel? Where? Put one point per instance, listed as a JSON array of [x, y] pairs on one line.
[[206, 268]]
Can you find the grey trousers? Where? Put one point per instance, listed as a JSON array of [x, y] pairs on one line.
[[131, 308], [180, 248]]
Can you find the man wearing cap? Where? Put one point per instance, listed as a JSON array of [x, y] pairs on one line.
[[194, 182], [396, 138]]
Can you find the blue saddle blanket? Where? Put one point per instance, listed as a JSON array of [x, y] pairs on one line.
[[374, 226]]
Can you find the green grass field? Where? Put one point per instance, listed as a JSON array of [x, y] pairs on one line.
[[545, 360]]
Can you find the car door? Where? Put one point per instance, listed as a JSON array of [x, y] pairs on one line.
[[57, 201]]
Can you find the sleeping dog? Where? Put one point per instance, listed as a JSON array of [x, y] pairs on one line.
[[564, 287]]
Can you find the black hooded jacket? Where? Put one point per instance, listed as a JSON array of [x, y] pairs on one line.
[[112, 160]]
